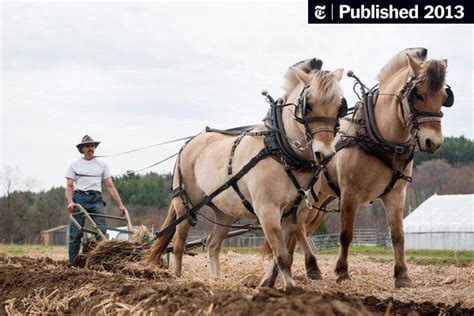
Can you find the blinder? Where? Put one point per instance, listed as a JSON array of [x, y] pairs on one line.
[[447, 103], [340, 114], [343, 109], [450, 99]]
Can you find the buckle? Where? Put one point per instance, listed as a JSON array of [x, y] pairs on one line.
[[399, 150]]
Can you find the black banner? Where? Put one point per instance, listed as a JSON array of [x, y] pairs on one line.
[[395, 12]]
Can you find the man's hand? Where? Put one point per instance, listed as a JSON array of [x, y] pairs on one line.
[[123, 210], [71, 207]]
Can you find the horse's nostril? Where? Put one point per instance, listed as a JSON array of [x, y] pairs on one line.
[[429, 144], [318, 155]]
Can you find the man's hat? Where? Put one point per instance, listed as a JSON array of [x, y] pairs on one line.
[[86, 140]]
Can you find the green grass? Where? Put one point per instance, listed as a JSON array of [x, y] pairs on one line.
[[425, 257], [436, 258], [422, 256], [243, 250], [33, 250]]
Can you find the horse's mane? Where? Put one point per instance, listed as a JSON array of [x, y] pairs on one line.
[[433, 75], [310, 65], [400, 60], [326, 86], [322, 81]]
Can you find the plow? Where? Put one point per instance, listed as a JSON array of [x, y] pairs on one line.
[[100, 234]]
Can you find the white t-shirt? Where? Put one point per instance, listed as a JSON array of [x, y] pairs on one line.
[[88, 174]]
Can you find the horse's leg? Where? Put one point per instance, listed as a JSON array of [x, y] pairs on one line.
[[312, 268], [215, 239], [272, 228], [270, 276], [348, 210], [179, 241], [394, 204]]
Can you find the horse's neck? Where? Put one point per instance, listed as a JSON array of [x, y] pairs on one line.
[[387, 110], [293, 131]]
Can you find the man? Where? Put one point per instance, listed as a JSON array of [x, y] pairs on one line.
[[84, 179]]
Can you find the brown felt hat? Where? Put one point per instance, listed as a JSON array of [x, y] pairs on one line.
[[86, 140]]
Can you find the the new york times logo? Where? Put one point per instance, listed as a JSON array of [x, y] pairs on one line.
[[418, 11], [320, 12]]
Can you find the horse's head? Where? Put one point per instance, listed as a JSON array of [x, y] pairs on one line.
[[319, 106], [421, 94], [427, 94]]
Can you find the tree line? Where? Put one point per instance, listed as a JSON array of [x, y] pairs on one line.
[[24, 214]]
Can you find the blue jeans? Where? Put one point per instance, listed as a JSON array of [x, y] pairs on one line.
[[93, 204]]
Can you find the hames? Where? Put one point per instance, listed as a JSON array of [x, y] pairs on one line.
[[374, 11]]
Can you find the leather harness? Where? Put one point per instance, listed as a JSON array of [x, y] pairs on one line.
[[366, 137], [369, 139], [277, 146]]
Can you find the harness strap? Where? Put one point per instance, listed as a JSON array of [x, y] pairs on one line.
[[331, 183], [344, 142], [397, 175], [244, 201], [232, 152], [181, 192], [422, 120], [313, 131], [292, 178], [294, 209], [208, 198], [298, 199]]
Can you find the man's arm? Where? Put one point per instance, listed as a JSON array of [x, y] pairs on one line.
[[113, 191], [71, 206]]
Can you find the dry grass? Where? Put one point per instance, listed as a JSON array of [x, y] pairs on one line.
[[447, 284], [371, 277]]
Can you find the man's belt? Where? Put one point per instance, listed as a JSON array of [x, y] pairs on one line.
[[89, 192]]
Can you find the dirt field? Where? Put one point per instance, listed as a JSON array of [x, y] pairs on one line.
[[43, 285]]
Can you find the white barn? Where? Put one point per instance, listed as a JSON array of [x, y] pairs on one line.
[[441, 222]]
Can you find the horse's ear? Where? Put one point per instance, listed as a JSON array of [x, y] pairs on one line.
[[445, 63], [301, 75], [415, 67], [338, 73]]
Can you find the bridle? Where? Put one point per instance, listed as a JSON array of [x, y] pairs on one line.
[[416, 117], [419, 117], [304, 108]]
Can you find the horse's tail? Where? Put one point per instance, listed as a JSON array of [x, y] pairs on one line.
[[267, 251], [159, 246]]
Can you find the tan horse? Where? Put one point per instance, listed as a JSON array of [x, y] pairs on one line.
[[203, 165], [403, 116]]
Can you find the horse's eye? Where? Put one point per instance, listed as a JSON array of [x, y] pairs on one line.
[[308, 108], [419, 97]]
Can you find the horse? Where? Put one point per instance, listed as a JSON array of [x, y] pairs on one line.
[[375, 149], [309, 111]]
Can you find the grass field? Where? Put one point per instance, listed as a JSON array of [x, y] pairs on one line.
[[426, 257], [55, 252]]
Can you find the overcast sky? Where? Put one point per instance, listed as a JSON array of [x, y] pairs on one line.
[[135, 74]]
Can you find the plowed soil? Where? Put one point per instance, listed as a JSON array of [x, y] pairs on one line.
[[42, 285]]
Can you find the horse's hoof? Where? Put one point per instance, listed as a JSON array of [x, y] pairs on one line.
[[315, 276], [343, 277], [267, 283], [403, 282]]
